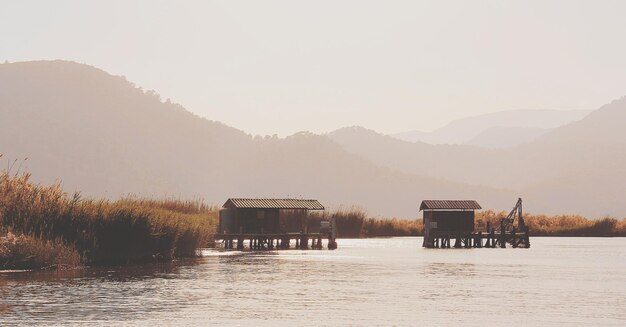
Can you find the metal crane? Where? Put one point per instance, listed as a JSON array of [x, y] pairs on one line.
[[509, 221]]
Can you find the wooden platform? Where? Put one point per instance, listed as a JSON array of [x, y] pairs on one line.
[[493, 239], [281, 241]]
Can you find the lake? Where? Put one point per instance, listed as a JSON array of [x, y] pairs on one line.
[[386, 281]]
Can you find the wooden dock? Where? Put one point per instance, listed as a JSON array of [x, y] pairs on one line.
[[279, 241], [492, 239]]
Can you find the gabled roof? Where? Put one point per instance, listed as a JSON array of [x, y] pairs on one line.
[[449, 204], [273, 204]]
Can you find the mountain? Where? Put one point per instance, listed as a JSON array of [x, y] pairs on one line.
[[583, 164], [576, 168], [100, 134], [104, 136], [506, 137], [518, 126]]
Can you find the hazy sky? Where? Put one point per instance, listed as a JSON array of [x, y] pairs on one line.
[[284, 66]]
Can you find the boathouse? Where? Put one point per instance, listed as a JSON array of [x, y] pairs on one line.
[[268, 224], [446, 220], [449, 217], [266, 215]]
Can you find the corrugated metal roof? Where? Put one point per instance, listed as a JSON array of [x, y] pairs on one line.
[[449, 204], [275, 204]]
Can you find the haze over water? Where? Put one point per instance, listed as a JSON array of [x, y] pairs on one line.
[[558, 281]]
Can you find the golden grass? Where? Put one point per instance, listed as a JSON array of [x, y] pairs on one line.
[[354, 223], [100, 231], [27, 252], [559, 225]]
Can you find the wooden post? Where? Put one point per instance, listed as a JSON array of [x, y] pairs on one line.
[[240, 243], [526, 237], [458, 243], [502, 234], [514, 237], [332, 243]]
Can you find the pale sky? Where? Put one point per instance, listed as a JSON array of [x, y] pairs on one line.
[[278, 67]]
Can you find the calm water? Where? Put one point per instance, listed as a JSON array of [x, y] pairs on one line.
[[559, 281]]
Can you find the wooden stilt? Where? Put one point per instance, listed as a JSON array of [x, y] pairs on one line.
[[526, 238], [502, 234], [458, 243]]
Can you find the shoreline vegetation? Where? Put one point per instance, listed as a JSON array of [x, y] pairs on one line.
[[44, 227], [41, 226], [355, 223]]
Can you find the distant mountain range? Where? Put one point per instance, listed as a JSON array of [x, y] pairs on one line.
[[104, 136], [497, 130], [577, 168]]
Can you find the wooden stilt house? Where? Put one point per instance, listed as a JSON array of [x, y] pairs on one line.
[[446, 220], [450, 218], [266, 215], [268, 224]]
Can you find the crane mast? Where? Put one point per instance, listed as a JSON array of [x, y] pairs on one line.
[[509, 221]]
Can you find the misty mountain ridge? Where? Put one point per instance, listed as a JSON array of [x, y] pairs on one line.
[[580, 167], [504, 137], [524, 126], [104, 136]]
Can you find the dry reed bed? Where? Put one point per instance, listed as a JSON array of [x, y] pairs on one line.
[[354, 223], [53, 228]]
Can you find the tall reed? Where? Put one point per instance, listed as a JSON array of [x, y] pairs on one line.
[[559, 225], [354, 223], [100, 231]]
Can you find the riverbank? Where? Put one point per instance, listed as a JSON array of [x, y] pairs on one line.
[[42, 226]]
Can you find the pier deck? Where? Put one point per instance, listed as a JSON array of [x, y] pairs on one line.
[[276, 241], [493, 239]]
